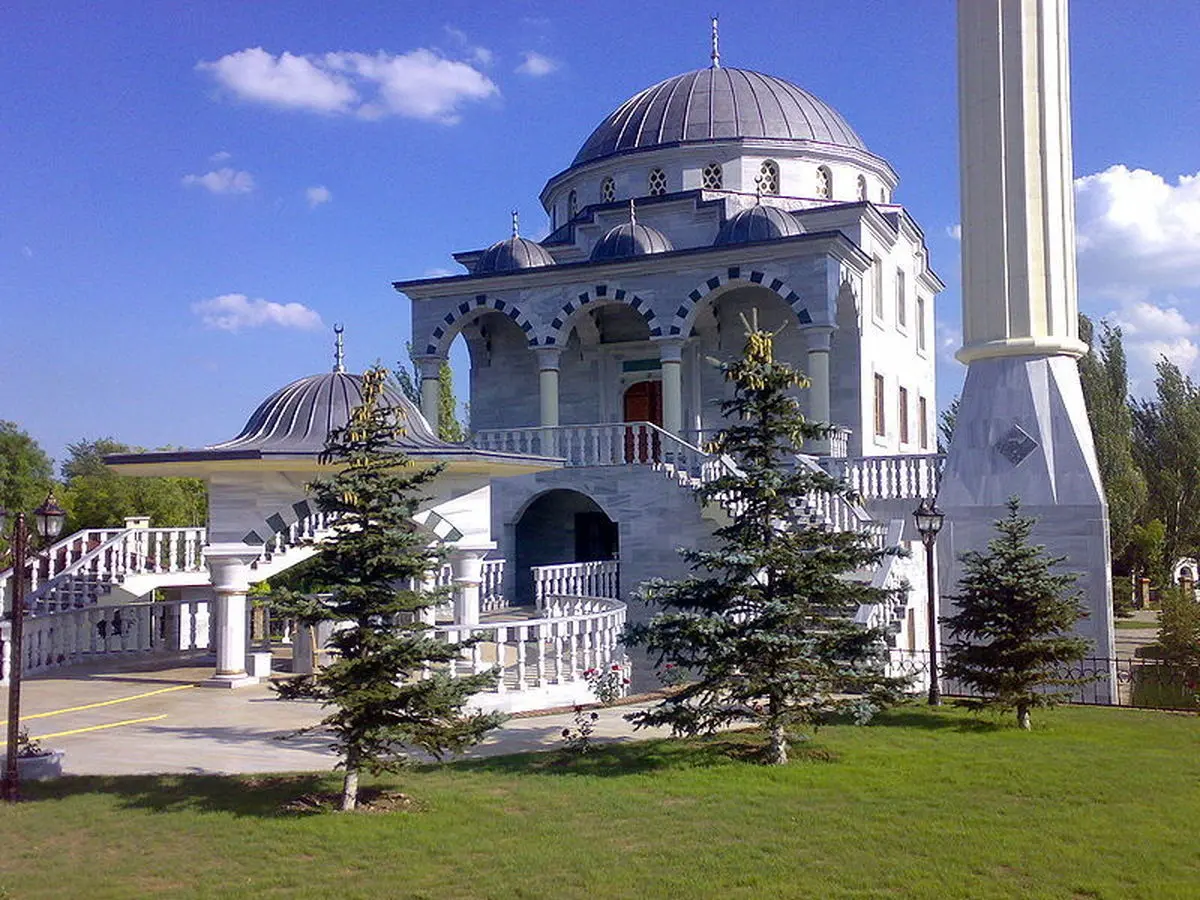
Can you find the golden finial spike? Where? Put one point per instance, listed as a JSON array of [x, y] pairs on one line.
[[339, 349], [716, 49]]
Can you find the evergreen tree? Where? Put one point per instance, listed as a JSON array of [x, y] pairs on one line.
[[947, 419], [1009, 638], [765, 623], [388, 683], [1179, 626], [449, 428]]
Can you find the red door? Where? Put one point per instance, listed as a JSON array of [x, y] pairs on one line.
[[643, 403]]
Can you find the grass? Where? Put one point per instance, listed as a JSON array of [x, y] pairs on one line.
[[1134, 625], [1094, 803]]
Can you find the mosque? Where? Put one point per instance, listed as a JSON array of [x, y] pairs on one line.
[[710, 196]]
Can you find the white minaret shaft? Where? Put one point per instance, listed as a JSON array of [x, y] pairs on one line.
[[1018, 211]]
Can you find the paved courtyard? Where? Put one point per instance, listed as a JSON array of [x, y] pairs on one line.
[[160, 720]]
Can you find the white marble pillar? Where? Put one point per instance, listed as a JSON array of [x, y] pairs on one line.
[[229, 567], [671, 353], [429, 368], [466, 564], [1022, 428], [548, 360], [817, 339]]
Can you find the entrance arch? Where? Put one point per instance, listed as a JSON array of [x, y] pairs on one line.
[[561, 526]]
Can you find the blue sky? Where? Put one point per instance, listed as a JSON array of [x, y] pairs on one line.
[[186, 210]]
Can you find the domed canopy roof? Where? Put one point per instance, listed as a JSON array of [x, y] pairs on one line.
[[298, 418], [758, 223], [630, 239], [513, 254], [717, 103]]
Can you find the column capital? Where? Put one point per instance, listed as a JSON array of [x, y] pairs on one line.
[[429, 366], [547, 358], [818, 337], [229, 566], [466, 561], [670, 350]]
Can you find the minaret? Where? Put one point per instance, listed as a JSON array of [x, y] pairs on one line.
[[1022, 429]]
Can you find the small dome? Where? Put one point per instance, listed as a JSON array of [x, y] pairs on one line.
[[717, 104], [299, 417], [758, 223], [630, 240], [513, 254]]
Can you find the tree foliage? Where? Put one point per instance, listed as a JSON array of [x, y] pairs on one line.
[[408, 378], [1102, 372], [26, 474], [1179, 626], [389, 685], [765, 622], [1010, 635], [947, 419], [97, 497]]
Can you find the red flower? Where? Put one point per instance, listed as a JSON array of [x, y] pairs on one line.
[[616, 667]]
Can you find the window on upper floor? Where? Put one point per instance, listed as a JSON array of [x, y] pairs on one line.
[[572, 205], [902, 401], [656, 184], [923, 422], [712, 178], [768, 177], [877, 288], [880, 419], [920, 323], [862, 187], [608, 190], [901, 300], [824, 183]]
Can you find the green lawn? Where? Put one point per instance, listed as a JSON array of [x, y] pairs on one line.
[[1094, 803], [1134, 625]]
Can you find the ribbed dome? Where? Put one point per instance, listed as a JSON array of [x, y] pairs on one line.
[[513, 254], [758, 223], [298, 418], [717, 104], [630, 240]]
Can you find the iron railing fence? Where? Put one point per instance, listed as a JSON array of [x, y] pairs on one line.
[[1144, 683]]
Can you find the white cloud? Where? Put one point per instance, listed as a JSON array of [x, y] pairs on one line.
[[317, 195], [420, 84], [954, 232], [220, 156], [235, 312], [536, 65], [27, 252], [222, 181], [480, 56]]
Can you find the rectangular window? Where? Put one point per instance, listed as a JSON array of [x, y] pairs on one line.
[[904, 415], [901, 304], [923, 422], [877, 288], [920, 323], [880, 423]]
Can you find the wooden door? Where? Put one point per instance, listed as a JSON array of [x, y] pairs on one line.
[[643, 403]]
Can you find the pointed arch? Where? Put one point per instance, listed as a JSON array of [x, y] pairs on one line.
[[439, 341], [600, 294], [685, 315]]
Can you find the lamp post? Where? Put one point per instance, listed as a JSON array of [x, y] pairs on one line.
[[929, 523], [48, 522]]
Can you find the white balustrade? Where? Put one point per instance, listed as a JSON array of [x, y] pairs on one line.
[[580, 580], [903, 477], [614, 444]]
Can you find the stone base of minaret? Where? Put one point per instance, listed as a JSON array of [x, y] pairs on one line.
[[1022, 430]]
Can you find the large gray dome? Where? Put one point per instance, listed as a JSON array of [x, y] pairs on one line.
[[758, 223], [297, 418], [513, 254], [717, 104]]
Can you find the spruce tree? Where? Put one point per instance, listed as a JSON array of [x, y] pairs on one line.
[[764, 625], [388, 684], [1010, 637]]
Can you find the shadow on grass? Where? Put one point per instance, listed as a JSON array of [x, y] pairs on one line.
[[950, 718]]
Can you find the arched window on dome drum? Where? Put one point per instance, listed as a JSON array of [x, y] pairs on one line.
[[768, 177], [572, 205], [608, 190], [656, 184], [711, 178], [862, 187], [824, 183]]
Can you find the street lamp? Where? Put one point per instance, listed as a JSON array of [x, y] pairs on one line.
[[929, 523], [48, 522]]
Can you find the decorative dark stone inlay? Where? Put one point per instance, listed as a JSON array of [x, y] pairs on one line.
[[1016, 445]]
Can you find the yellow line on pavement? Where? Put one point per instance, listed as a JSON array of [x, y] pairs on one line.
[[58, 734], [71, 709]]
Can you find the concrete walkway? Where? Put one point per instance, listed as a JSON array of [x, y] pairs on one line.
[[160, 721]]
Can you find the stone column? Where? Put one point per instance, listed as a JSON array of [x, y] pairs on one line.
[[547, 359], [430, 368], [1022, 428], [466, 564], [818, 377], [671, 353], [229, 567]]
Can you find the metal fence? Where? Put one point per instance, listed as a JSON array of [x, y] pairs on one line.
[[1110, 681]]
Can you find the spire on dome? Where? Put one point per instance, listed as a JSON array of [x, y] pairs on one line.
[[339, 349], [716, 50], [516, 223], [632, 213]]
